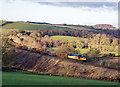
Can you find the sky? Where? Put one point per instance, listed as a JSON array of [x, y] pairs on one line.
[[85, 12]]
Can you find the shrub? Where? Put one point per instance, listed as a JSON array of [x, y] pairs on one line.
[[8, 52], [93, 53], [21, 39], [108, 55], [112, 54], [66, 49]]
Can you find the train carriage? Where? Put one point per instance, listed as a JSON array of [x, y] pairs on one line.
[[62, 55], [51, 53]]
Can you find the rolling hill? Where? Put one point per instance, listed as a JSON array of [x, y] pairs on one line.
[[28, 26], [38, 25], [84, 29]]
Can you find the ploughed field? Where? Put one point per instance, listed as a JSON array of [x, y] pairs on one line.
[[25, 78]]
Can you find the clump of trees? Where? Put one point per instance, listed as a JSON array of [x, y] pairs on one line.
[[66, 49], [93, 53], [8, 52], [104, 43]]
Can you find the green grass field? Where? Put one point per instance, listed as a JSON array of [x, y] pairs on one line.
[[20, 78], [27, 26], [82, 51], [2, 22], [68, 38], [85, 28], [106, 52]]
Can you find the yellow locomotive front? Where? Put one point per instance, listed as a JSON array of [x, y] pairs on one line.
[[77, 56]]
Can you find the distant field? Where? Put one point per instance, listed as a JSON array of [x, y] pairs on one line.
[[82, 51], [20, 78], [7, 31], [28, 26], [31, 26], [84, 28], [105, 52], [2, 22], [68, 38]]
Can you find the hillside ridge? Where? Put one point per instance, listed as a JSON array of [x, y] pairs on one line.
[[69, 26]]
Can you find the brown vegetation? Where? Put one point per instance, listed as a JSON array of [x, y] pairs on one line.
[[8, 52], [104, 26], [57, 66]]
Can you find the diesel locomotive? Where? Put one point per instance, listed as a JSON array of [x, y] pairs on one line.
[[51, 53], [77, 56]]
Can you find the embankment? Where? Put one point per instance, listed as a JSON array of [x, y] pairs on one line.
[[40, 63]]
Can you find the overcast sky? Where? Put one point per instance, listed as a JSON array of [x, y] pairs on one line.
[[88, 12]]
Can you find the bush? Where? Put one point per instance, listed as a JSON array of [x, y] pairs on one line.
[[108, 55], [93, 53], [85, 46], [22, 31], [21, 39], [8, 52], [66, 49], [112, 54]]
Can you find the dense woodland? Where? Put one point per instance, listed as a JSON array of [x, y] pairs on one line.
[[79, 33]]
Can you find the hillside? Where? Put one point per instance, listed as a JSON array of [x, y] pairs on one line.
[[28, 26], [86, 30], [42, 26], [57, 66], [39, 25], [104, 26]]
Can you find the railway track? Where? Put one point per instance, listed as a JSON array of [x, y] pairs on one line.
[[74, 61], [90, 63]]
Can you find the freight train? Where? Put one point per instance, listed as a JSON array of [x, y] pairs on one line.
[[51, 53]]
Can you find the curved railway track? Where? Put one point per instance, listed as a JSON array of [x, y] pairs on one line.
[[76, 61]]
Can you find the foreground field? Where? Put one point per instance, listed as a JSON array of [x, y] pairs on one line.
[[20, 78]]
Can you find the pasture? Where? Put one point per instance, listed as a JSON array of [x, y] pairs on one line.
[[28, 26], [33, 26], [68, 38], [24, 78]]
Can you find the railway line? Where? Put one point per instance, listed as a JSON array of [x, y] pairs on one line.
[[72, 60]]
